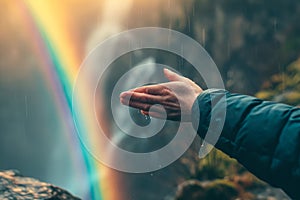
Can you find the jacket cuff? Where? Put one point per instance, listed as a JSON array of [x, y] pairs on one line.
[[202, 109]]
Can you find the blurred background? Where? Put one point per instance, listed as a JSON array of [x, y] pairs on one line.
[[254, 43]]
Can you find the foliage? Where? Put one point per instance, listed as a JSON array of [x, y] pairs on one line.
[[194, 190], [221, 189], [283, 87], [217, 165]]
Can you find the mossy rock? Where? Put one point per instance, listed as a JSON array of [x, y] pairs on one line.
[[216, 190], [221, 189], [191, 190]]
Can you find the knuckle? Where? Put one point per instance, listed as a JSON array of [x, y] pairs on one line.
[[166, 91]]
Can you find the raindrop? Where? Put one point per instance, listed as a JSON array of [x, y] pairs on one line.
[[182, 53], [26, 106], [228, 49], [169, 36], [130, 60], [275, 23], [189, 23], [203, 37], [139, 118]]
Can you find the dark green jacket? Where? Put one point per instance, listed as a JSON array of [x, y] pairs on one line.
[[263, 136]]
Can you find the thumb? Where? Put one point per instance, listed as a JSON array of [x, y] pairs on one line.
[[172, 76]]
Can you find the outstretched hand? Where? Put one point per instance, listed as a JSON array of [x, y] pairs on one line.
[[175, 97]]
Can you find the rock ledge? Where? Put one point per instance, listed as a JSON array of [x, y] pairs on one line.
[[14, 186]]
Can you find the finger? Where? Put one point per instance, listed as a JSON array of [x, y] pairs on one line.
[[170, 103], [144, 102], [154, 114], [172, 76], [157, 111], [157, 89], [160, 115], [136, 104], [142, 97]]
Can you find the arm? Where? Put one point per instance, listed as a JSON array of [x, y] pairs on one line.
[[263, 136]]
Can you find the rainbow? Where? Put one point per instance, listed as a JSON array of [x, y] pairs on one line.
[[59, 59]]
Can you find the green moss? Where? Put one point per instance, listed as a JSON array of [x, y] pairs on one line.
[[266, 94], [216, 190], [284, 85], [217, 165]]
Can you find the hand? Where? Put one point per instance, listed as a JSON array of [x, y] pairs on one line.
[[175, 97]]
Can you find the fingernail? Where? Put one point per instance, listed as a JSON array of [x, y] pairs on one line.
[[123, 94]]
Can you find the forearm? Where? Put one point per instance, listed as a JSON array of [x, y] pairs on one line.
[[261, 135]]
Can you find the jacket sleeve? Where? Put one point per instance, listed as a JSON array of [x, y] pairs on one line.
[[263, 136]]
